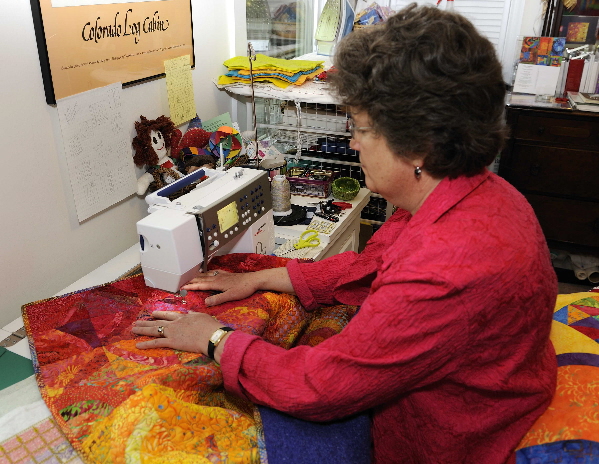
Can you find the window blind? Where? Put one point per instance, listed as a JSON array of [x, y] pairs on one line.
[[497, 20]]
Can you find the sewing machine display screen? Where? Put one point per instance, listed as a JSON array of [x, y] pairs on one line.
[[227, 216]]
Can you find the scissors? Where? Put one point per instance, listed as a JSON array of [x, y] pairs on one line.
[[311, 239]]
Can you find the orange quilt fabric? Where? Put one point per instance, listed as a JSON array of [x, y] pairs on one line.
[[116, 403]]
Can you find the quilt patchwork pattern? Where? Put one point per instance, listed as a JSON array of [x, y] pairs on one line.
[[568, 432], [116, 403]]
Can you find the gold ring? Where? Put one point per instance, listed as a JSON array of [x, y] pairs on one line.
[[215, 273], [161, 331]]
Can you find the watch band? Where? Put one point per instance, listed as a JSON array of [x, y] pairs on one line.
[[216, 338]]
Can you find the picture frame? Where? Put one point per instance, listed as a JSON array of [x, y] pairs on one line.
[[579, 30], [556, 17], [86, 44]]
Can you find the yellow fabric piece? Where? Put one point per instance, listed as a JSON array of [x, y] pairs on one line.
[[266, 62], [568, 340], [227, 80], [157, 426]]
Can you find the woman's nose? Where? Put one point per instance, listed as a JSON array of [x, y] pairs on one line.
[[353, 144]]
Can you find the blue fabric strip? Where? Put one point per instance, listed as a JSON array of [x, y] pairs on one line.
[[563, 452], [295, 441]]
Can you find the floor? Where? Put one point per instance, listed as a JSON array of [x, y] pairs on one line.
[[568, 283], [566, 287]]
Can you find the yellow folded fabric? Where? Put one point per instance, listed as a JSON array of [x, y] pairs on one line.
[[228, 80], [263, 61]]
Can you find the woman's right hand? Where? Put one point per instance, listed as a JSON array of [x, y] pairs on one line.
[[233, 286], [236, 286]]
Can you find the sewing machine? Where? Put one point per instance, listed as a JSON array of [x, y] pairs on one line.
[[227, 212]]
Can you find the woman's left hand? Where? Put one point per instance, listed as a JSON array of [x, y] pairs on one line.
[[185, 332]]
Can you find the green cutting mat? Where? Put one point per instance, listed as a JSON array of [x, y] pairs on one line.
[[13, 368]]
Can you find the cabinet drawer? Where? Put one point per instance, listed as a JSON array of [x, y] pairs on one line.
[[557, 171], [567, 220], [578, 133]]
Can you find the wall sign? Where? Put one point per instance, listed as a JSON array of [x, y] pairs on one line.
[[86, 44]]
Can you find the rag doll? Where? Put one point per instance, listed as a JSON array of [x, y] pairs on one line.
[[152, 151]]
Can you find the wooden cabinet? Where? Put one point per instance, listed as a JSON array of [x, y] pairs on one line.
[[552, 157]]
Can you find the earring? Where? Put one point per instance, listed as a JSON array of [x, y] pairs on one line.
[[417, 172]]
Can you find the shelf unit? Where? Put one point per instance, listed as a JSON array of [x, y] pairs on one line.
[[310, 128], [314, 135]]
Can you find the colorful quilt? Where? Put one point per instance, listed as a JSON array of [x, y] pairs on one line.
[[568, 432], [116, 403]]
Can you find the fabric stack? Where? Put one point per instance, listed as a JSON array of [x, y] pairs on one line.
[[277, 71]]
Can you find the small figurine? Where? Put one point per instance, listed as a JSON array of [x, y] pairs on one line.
[[152, 150]]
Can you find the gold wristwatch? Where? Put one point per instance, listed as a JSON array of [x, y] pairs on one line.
[[216, 338]]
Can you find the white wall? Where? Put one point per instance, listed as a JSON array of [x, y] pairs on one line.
[[532, 19], [43, 248]]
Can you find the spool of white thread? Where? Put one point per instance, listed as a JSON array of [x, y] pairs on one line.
[[581, 274], [281, 196], [593, 274]]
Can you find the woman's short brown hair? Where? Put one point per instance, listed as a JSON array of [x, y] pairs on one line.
[[431, 85]]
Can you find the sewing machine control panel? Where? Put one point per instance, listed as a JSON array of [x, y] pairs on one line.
[[230, 217]]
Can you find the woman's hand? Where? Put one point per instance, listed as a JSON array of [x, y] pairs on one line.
[[185, 332], [232, 285]]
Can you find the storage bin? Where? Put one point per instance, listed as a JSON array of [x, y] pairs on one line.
[[310, 187]]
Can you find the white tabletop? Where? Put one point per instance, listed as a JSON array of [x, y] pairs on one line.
[[345, 219]]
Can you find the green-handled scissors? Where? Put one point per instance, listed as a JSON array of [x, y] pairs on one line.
[[311, 239]]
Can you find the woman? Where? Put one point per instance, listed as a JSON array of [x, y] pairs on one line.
[[450, 348]]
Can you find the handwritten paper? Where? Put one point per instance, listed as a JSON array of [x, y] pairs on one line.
[[97, 149], [179, 86]]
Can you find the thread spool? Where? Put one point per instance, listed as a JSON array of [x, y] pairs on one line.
[[281, 196], [593, 274], [581, 274]]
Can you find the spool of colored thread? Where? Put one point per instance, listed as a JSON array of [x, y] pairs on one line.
[[281, 196]]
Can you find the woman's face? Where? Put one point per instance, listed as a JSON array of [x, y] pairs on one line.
[[385, 173]]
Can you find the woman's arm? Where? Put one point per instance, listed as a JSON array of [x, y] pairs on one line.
[[192, 331], [238, 286]]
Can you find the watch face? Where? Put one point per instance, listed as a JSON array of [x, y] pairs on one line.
[[215, 336]]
